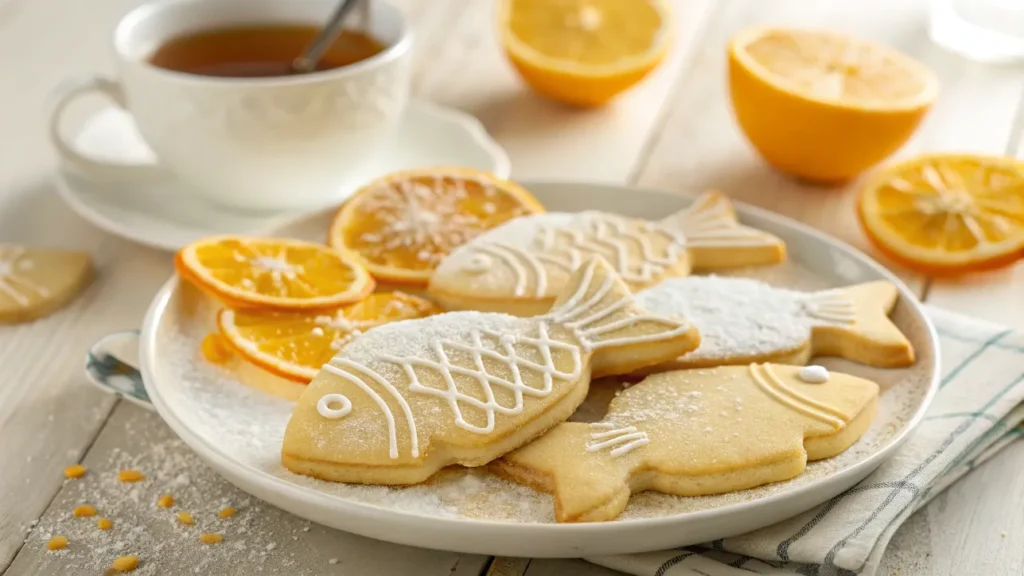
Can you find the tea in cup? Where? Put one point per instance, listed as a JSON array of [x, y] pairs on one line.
[[210, 88]]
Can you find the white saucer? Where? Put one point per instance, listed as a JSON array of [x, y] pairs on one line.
[[152, 207]]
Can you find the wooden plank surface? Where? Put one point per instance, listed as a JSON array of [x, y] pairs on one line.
[[48, 417], [675, 132]]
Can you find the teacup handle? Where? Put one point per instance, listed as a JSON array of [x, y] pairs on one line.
[[68, 93], [111, 365]]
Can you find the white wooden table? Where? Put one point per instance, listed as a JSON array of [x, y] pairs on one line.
[[673, 132]]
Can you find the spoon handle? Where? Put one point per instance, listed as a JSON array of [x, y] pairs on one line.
[[315, 50]]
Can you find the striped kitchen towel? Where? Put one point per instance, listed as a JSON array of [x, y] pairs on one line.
[[975, 414]]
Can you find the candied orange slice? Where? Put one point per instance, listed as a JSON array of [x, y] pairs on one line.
[[402, 225], [947, 213], [296, 345], [273, 273]]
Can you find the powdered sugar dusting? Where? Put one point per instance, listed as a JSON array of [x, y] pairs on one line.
[[141, 528], [414, 338], [737, 317]]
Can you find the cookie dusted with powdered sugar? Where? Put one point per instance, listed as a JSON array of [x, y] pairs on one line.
[[405, 399], [36, 282], [694, 433], [743, 321], [521, 266]]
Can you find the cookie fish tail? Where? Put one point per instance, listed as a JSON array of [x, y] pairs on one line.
[[588, 486], [602, 314], [716, 240], [858, 326]]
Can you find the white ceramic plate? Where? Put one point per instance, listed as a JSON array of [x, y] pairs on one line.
[[148, 205], [237, 429]]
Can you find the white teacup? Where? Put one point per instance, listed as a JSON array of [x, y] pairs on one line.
[[268, 143]]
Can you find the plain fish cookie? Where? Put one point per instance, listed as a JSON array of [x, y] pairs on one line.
[[694, 433], [743, 321], [408, 398], [35, 283], [521, 266]]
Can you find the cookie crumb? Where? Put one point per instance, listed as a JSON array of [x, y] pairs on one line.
[[83, 511], [185, 518], [210, 538], [74, 471], [165, 501], [125, 563], [332, 561], [57, 543], [130, 476], [104, 524]]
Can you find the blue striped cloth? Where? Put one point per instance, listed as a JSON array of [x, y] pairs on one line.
[[976, 413]]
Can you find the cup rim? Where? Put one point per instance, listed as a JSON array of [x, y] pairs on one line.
[[139, 13]]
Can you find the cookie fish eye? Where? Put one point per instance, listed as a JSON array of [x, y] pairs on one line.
[[334, 406], [478, 263]]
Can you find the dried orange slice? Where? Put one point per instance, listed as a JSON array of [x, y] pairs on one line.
[[947, 213], [825, 106], [585, 52], [273, 273], [402, 225], [296, 345]]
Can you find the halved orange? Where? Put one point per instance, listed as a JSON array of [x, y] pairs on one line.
[[585, 52], [296, 345], [402, 225], [947, 213], [273, 273], [825, 106]]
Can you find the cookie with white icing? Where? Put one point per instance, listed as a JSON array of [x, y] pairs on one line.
[[742, 321], [405, 399], [694, 433], [521, 266], [36, 282]]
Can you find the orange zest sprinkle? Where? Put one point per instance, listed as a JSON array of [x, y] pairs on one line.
[[83, 511], [125, 563], [210, 538], [130, 476], [74, 471]]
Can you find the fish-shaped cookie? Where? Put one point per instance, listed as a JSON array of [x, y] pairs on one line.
[[742, 321], [693, 433], [408, 398], [521, 266]]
